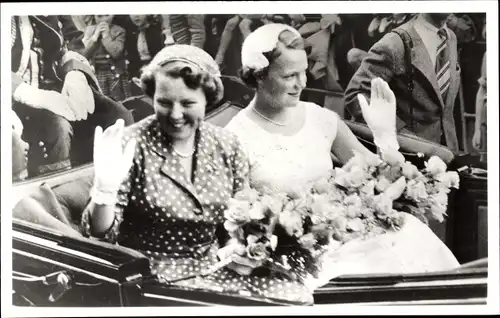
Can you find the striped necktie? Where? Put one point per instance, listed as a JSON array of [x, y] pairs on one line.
[[443, 63], [13, 31]]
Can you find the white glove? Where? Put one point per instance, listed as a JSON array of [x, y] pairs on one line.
[[380, 114], [45, 99], [17, 124], [112, 161], [78, 90]]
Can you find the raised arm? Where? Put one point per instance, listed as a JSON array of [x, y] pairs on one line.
[[115, 174], [380, 62], [380, 116]]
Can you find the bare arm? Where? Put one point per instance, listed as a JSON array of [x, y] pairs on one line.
[[481, 96], [346, 144]]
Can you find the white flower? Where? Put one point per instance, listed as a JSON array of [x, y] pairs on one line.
[[256, 61], [274, 242], [395, 190], [356, 225], [440, 198], [449, 179], [264, 39], [409, 170], [435, 166], [416, 190], [382, 184], [257, 211]]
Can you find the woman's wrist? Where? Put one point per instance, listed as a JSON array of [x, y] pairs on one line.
[[386, 140], [103, 196]]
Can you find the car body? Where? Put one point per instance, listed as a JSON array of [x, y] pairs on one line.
[[51, 268]]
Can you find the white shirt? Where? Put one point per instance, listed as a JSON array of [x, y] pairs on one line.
[[429, 35], [142, 46], [279, 163]]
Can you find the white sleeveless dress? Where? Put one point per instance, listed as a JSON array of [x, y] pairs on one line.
[[279, 163]]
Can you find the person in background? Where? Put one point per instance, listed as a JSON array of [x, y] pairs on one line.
[[55, 94], [241, 22], [188, 29], [19, 150], [479, 137], [144, 39], [428, 110], [80, 21], [105, 49]]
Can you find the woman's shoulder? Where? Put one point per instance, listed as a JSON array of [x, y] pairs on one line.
[[239, 123], [319, 112], [220, 135], [138, 129]]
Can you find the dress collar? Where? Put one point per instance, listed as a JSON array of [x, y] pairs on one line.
[[205, 162]]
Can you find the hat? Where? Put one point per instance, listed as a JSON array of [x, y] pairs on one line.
[[263, 39], [188, 54]]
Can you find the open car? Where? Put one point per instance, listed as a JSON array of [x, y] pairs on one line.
[[54, 265]]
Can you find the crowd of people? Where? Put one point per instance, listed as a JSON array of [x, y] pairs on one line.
[[162, 184], [104, 55]]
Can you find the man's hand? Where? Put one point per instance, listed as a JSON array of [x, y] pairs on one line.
[[103, 28], [476, 139], [78, 90], [97, 34]]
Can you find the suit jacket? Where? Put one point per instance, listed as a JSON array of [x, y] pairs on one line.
[[155, 40], [55, 40], [188, 29], [432, 116]]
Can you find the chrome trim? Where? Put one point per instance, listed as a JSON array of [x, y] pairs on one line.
[[54, 245], [433, 302], [181, 300], [133, 277], [440, 283], [76, 269]]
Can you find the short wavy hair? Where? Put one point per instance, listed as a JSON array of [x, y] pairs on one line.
[[193, 77], [287, 40]]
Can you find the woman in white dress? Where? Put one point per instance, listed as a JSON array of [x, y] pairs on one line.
[[289, 143]]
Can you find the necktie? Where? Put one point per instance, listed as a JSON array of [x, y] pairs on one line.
[[13, 32], [443, 63]]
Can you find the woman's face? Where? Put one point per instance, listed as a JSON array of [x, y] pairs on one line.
[[179, 108], [103, 18], [139, 20], [286, 79]]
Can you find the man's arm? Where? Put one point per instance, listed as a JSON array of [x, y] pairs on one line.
[[197, 29], [381, 61]]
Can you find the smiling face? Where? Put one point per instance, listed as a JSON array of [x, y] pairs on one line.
[[286, 78], [179, 109], [103, 18]]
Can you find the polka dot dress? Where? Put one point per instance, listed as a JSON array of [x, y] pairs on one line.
[[173, 220]]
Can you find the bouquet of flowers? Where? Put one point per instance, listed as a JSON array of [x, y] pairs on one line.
[[368, 196]]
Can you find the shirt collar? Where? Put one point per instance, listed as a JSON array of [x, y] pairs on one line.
[[428, 26]]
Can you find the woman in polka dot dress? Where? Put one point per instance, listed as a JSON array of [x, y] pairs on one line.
[[183, 171]]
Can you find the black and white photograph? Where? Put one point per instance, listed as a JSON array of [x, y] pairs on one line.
[[183, 155]]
